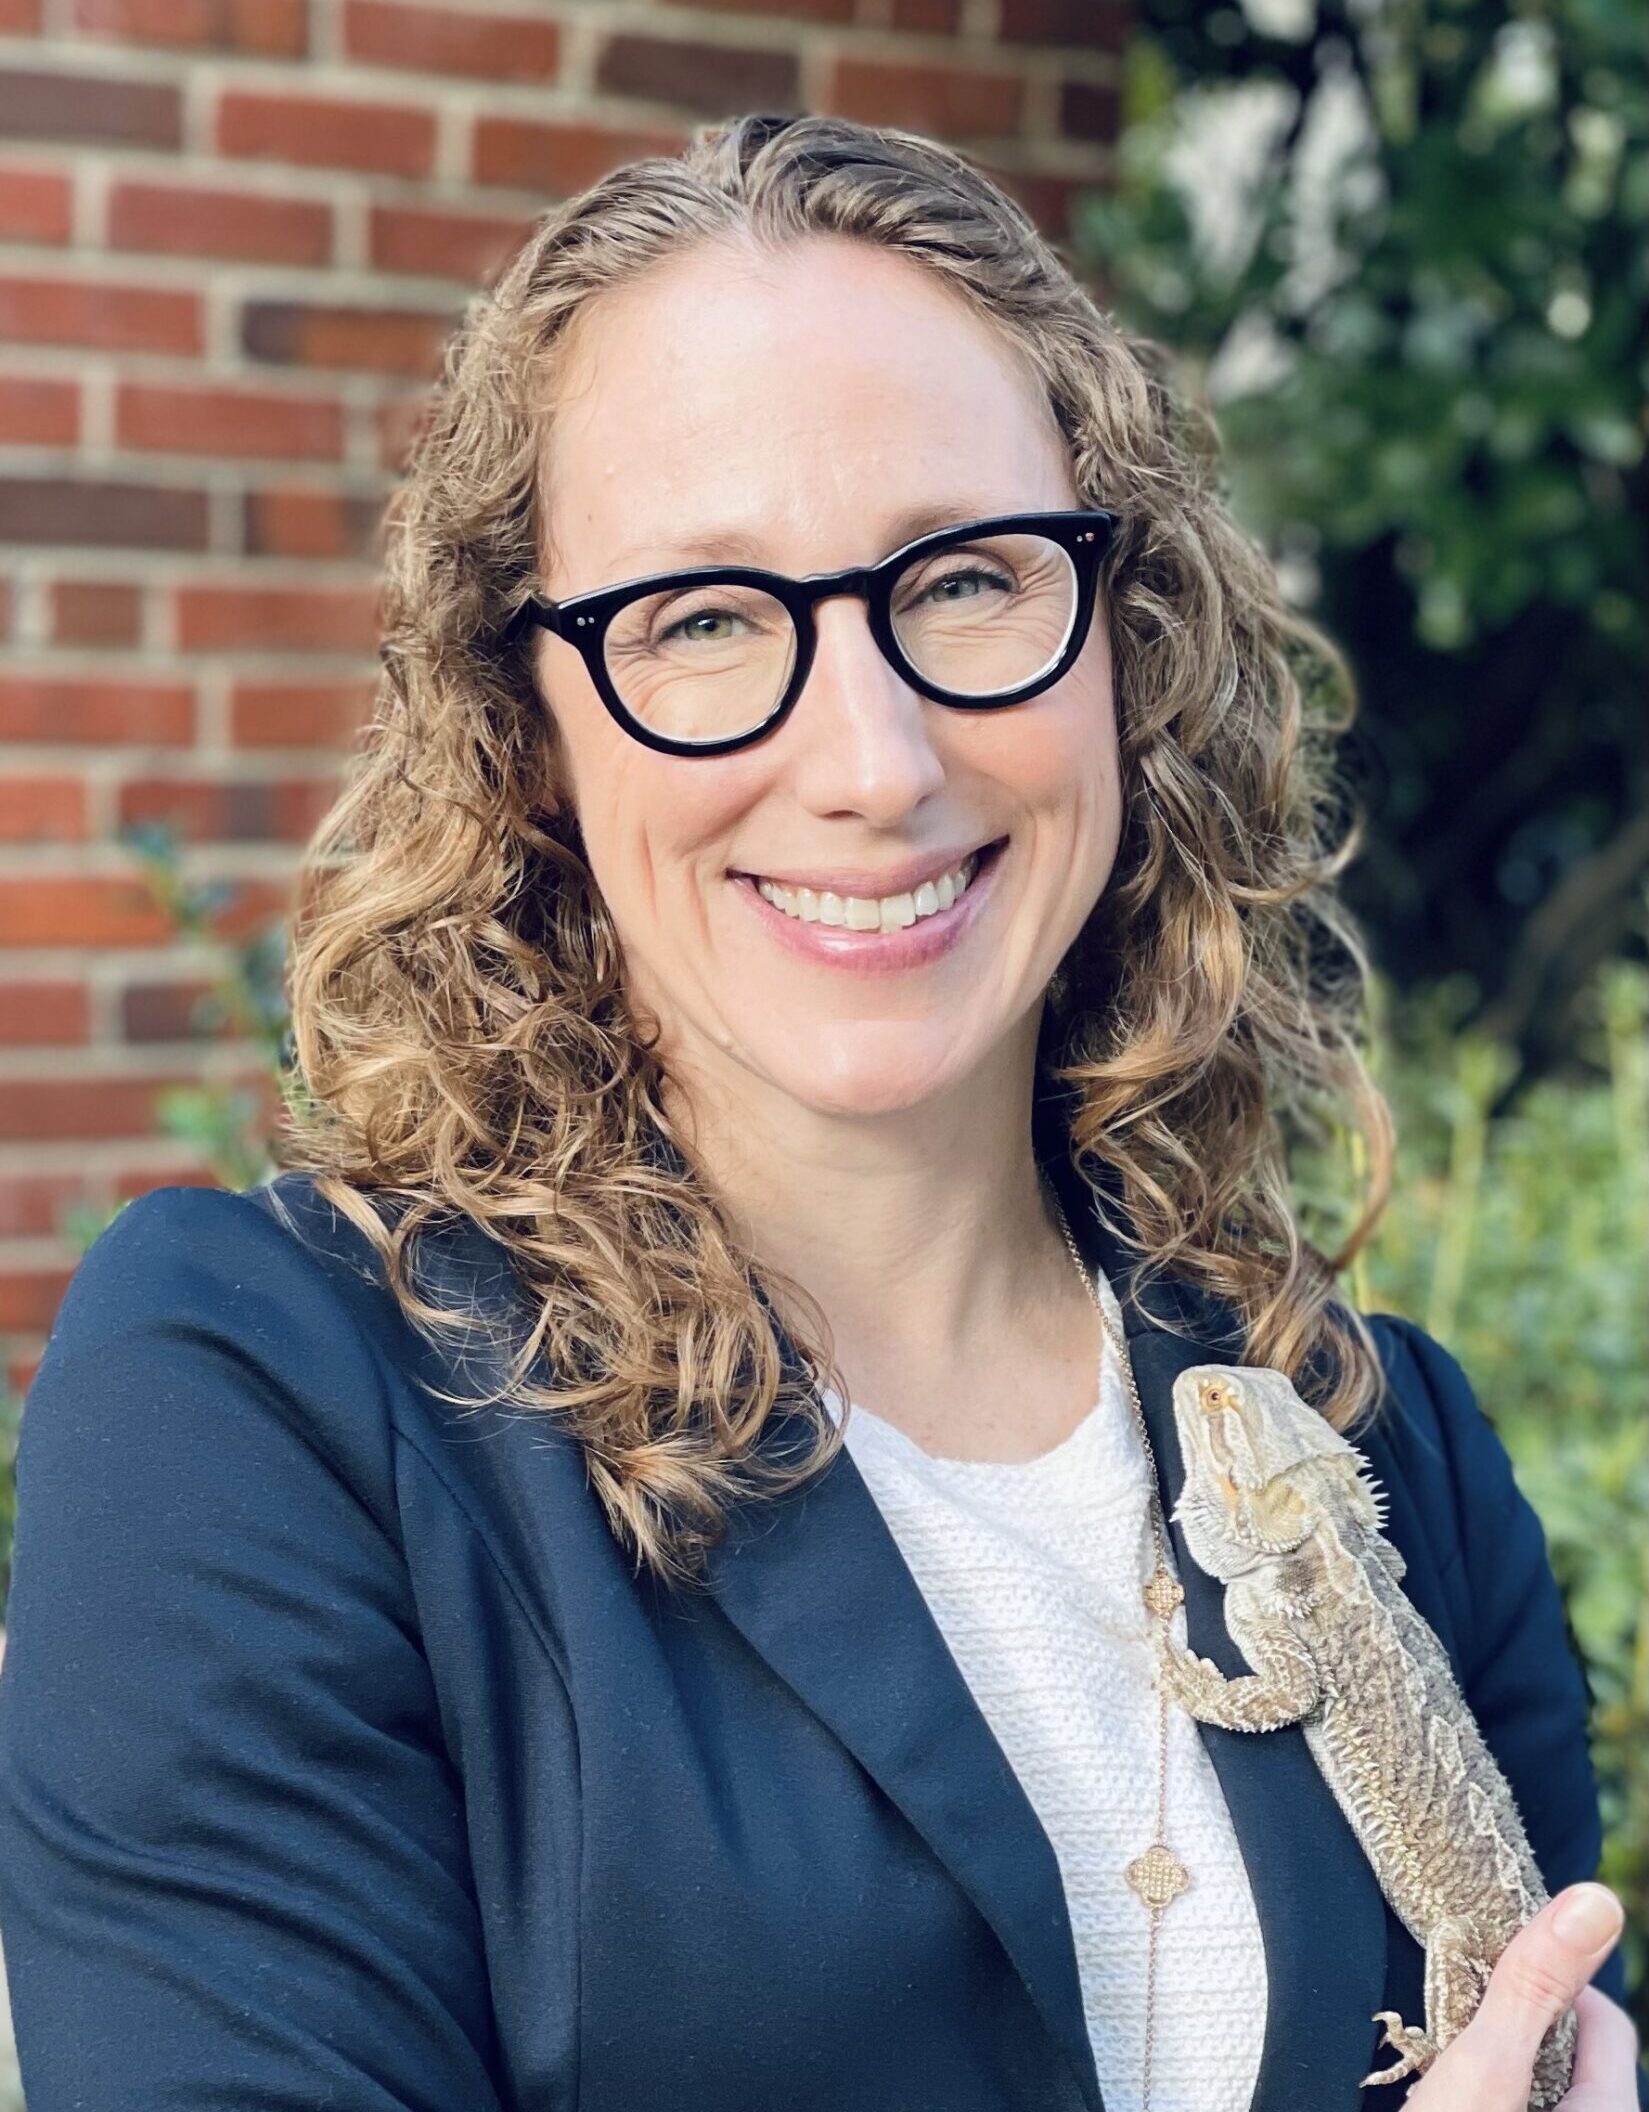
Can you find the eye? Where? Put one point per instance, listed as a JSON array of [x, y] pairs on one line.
[[968, 581], [694, 626]]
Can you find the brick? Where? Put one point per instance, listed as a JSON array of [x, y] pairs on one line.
[[97, 612], [20, 1366], [100, 713], [36, 205], [100, 315], [43, 1012], [265, 29], [42, 810], [224, 421], [299, 715], [130, 1183], [947, 100], [525, 154], [401, 420], [796, 10], [299, 523], [44, 103], [174, 219], [175, 1011], [39, 1205], [1089, 110], [88, 909], [38, 412], [310, 618], [356, 340], [82, 1107], [20, 18], [212, 810], [471, 247], [133, 516], [36, 1205], [940, 18], [713, 78], [1086, 25], [29, 1297], [445, 40], [1048, 199], [383, 139], [78, 909]]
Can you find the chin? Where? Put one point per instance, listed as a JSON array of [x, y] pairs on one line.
[[867, 1070]]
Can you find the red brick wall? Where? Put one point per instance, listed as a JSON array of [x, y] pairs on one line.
[[233, 234]]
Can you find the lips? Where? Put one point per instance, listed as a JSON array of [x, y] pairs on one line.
[[877, 933], [881, 912], [874, 881]]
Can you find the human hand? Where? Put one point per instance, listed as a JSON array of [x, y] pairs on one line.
[[1489, 2067]]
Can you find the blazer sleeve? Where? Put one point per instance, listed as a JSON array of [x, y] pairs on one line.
[[233, 1864], [1520, 1675]]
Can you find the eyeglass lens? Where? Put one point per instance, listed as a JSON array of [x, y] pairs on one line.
[[709, 663]]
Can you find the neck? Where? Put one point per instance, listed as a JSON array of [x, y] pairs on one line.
[[920, 1233]]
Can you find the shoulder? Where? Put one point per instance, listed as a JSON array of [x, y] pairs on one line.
[[198, 1314], [1429, 1428], [255, 1332], [208, 1249], [1475, 1546]]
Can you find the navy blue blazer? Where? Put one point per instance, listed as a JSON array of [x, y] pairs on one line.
[[345, 1760]]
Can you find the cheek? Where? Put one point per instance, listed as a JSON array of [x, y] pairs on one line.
[[654, 826], [1056, 759]]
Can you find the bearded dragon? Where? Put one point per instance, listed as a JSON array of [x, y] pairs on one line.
[[1282, 1510]]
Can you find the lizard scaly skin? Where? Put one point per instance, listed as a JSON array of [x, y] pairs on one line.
[[1281, 1509]]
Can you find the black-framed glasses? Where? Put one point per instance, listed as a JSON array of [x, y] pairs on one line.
[[704, 661]]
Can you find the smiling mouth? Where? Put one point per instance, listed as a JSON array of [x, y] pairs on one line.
[[806, 905]]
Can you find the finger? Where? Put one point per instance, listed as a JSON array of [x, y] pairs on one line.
[[1547, 1962], [1606, 2052], [1535, 1979]]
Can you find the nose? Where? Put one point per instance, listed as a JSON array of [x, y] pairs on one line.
[[861, 733]]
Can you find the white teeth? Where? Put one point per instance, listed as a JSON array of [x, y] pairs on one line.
[[865, 913]]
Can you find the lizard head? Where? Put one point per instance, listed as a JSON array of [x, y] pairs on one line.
[[1262, 1468]]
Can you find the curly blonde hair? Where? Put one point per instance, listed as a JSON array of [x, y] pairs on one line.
[[462, 1033]]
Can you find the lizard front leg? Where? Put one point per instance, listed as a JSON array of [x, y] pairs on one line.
[[1285, 1688]]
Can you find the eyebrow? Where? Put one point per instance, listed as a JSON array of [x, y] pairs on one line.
[[730, 545]]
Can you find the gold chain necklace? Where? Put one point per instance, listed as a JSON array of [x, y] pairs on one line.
[[1156, 1877]]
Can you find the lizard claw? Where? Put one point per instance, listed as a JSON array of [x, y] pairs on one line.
[[1415, 2046]]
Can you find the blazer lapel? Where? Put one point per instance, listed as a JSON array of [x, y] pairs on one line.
[[878, 1671], [1321, 1912]]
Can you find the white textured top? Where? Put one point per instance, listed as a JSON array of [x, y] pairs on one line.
[[1033, 1572]]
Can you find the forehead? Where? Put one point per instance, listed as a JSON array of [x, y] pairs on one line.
[[789, 395]]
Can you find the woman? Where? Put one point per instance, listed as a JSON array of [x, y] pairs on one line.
[[452, 1666]]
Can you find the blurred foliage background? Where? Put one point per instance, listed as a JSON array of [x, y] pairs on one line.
[[1399, 251]]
